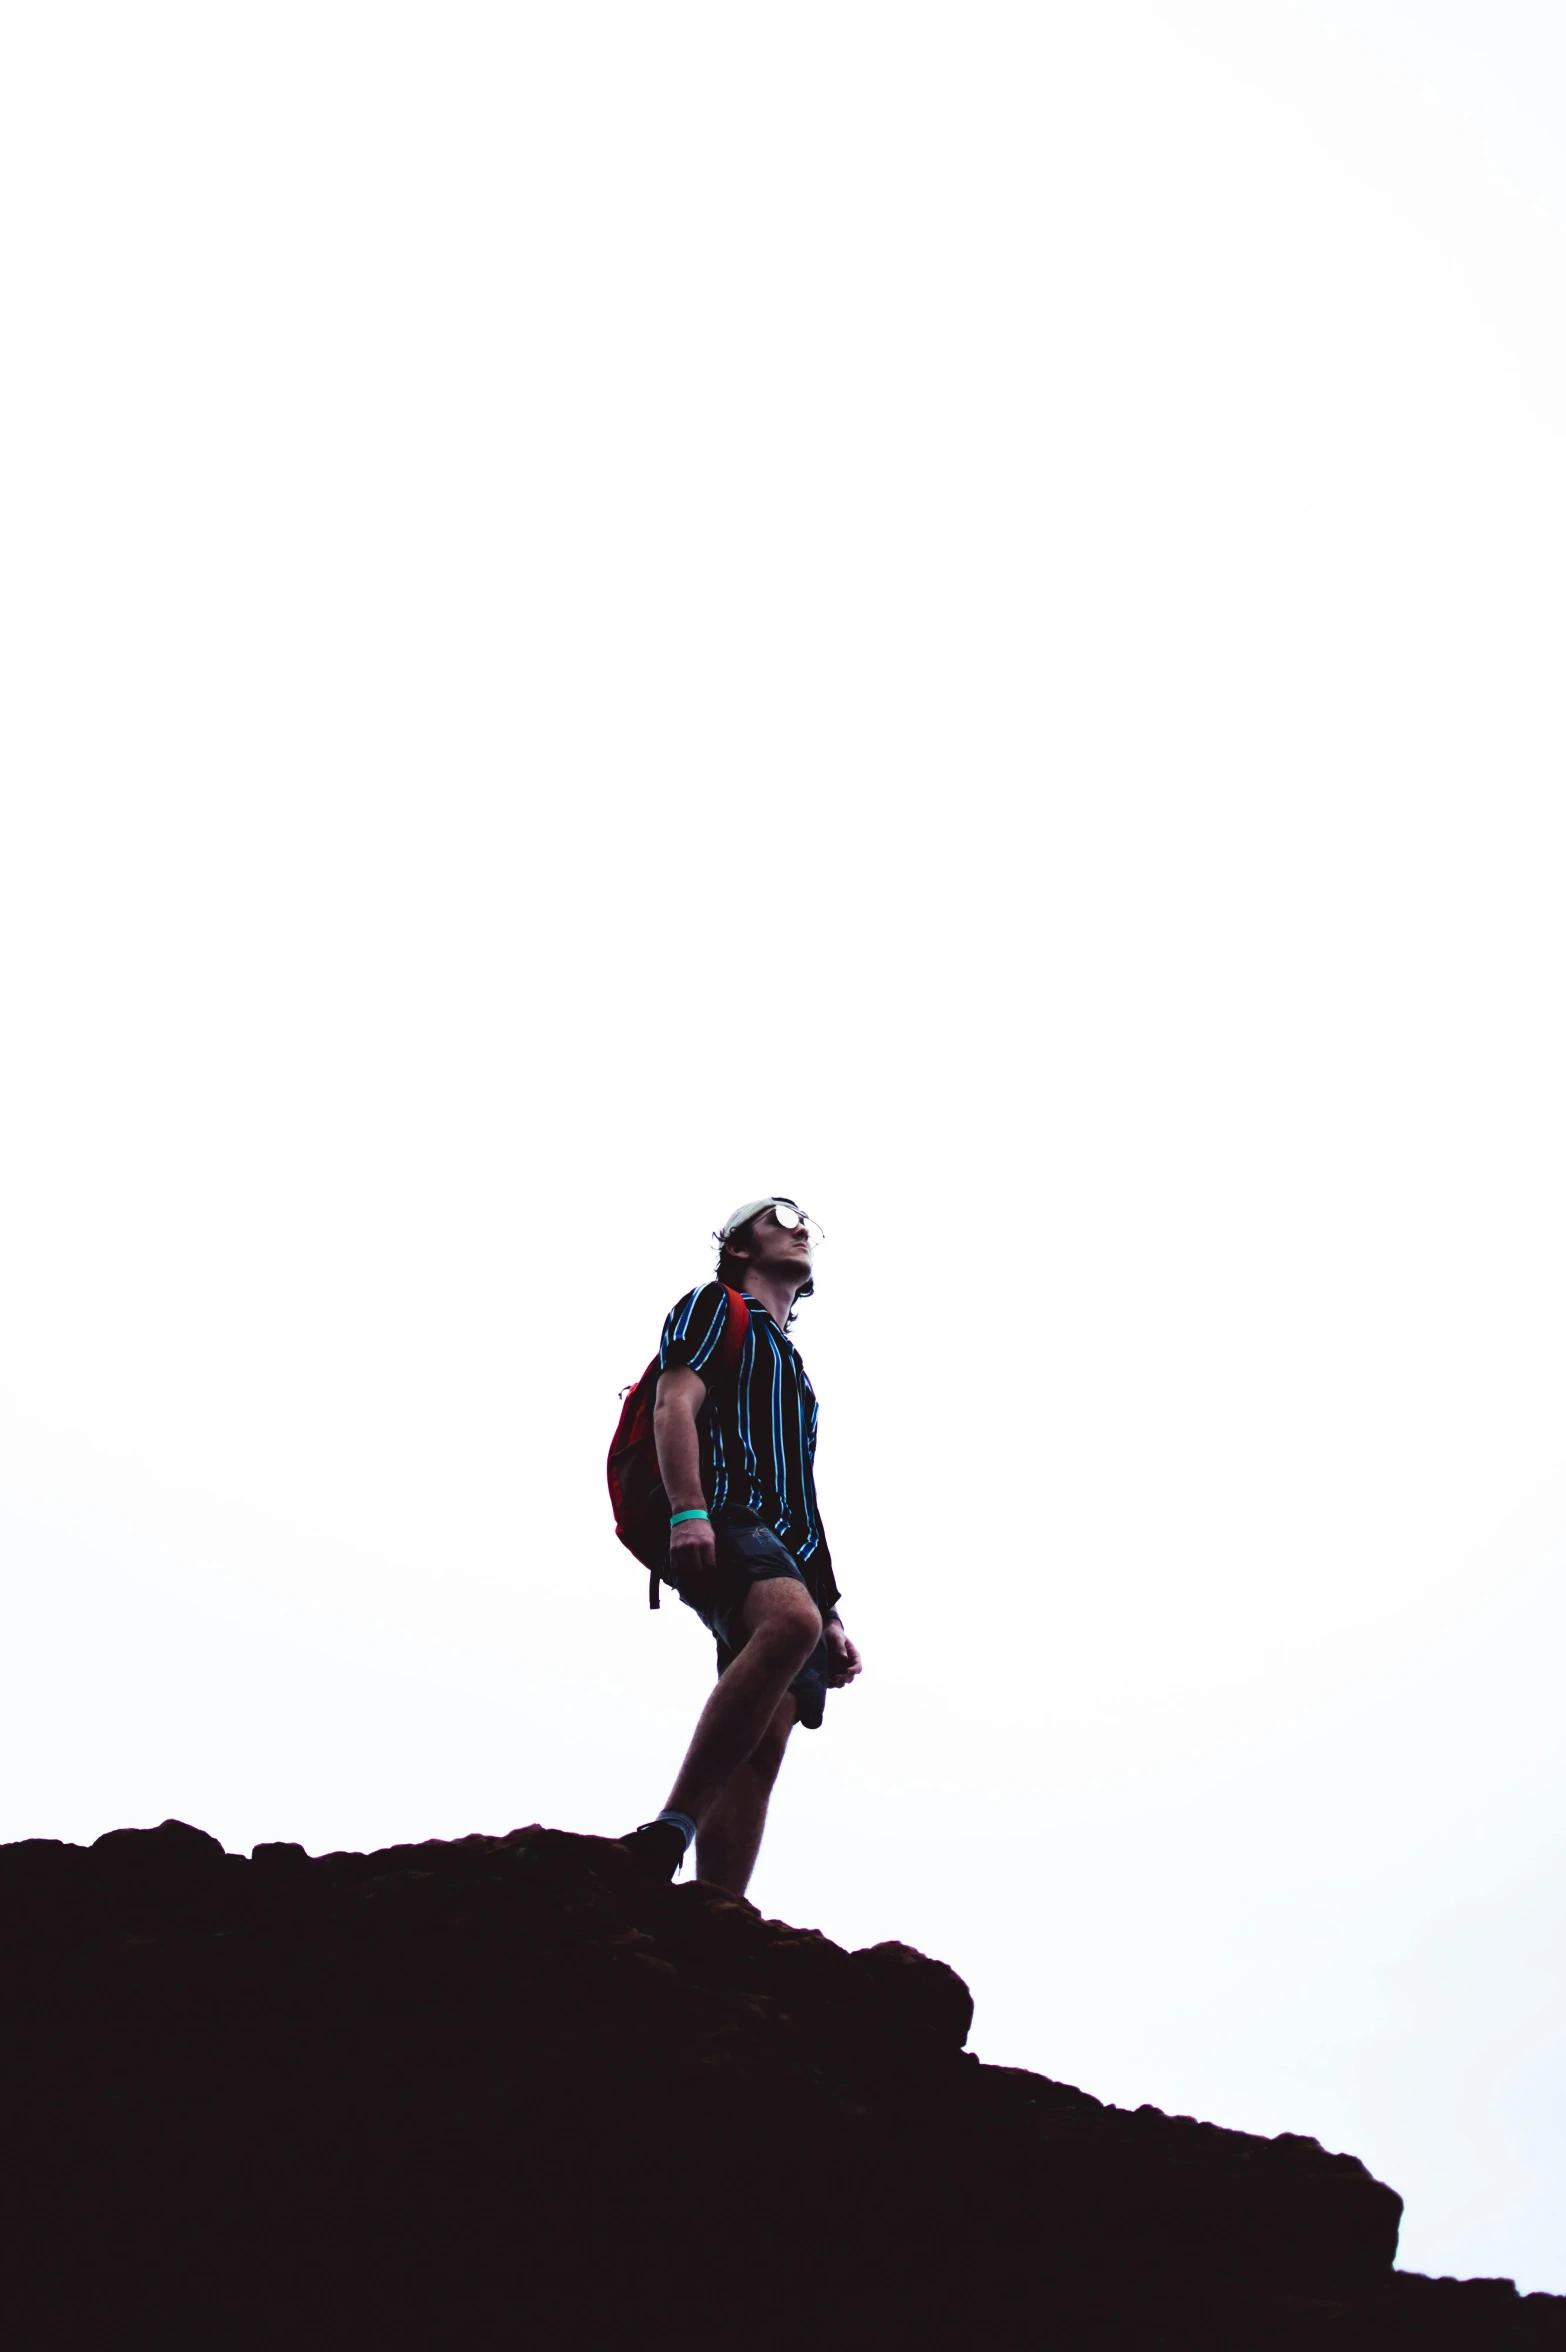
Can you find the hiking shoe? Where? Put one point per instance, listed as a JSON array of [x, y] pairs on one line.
[[658, 1848]]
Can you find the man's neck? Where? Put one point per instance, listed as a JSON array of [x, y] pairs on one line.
[[776, 1293]]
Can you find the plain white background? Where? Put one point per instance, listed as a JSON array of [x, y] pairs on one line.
[[956, 611]]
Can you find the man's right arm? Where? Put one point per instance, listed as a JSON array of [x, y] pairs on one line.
[[693, 1550]]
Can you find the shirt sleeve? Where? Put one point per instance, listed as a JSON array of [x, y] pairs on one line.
[[694, 1328]]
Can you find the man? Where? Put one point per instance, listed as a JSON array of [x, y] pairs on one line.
[[745, 1549]]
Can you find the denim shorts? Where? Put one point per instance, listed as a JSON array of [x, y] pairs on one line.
[[750, 1554]]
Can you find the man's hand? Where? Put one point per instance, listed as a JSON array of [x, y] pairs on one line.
[[843, 1660], [693, 1554]]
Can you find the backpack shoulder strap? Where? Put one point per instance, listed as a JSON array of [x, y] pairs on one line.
[[736, 1329]]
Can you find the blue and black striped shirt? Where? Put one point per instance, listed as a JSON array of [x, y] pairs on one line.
[[758, 1432]]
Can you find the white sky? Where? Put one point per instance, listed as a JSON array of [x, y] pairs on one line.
[[956, 610]]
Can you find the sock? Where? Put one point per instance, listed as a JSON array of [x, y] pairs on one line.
[[683, 1823]]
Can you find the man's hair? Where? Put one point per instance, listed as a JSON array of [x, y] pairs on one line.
[[731, 1269]]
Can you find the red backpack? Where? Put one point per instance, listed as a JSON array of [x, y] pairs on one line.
[[641, 1508]]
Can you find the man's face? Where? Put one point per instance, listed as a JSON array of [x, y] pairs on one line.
[[775, 1249]]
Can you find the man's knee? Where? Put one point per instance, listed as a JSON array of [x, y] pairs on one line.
[[783, 1618]]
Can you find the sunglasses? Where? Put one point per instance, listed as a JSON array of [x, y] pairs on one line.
[[792, 1218]]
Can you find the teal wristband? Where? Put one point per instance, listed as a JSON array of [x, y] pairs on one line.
[[677, 1516]]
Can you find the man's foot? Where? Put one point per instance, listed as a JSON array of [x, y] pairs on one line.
[[659, 1848]]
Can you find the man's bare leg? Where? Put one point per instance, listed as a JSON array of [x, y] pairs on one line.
[[730, 1835], [782, 1626]]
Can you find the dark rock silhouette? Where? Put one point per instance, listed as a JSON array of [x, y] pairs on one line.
[[499, 2092]]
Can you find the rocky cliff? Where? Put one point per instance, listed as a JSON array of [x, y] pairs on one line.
[[499, 2092]]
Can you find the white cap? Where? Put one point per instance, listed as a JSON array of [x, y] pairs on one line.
[[743, 1215]]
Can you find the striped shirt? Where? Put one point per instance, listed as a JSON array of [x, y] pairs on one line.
[[758, 1431]]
